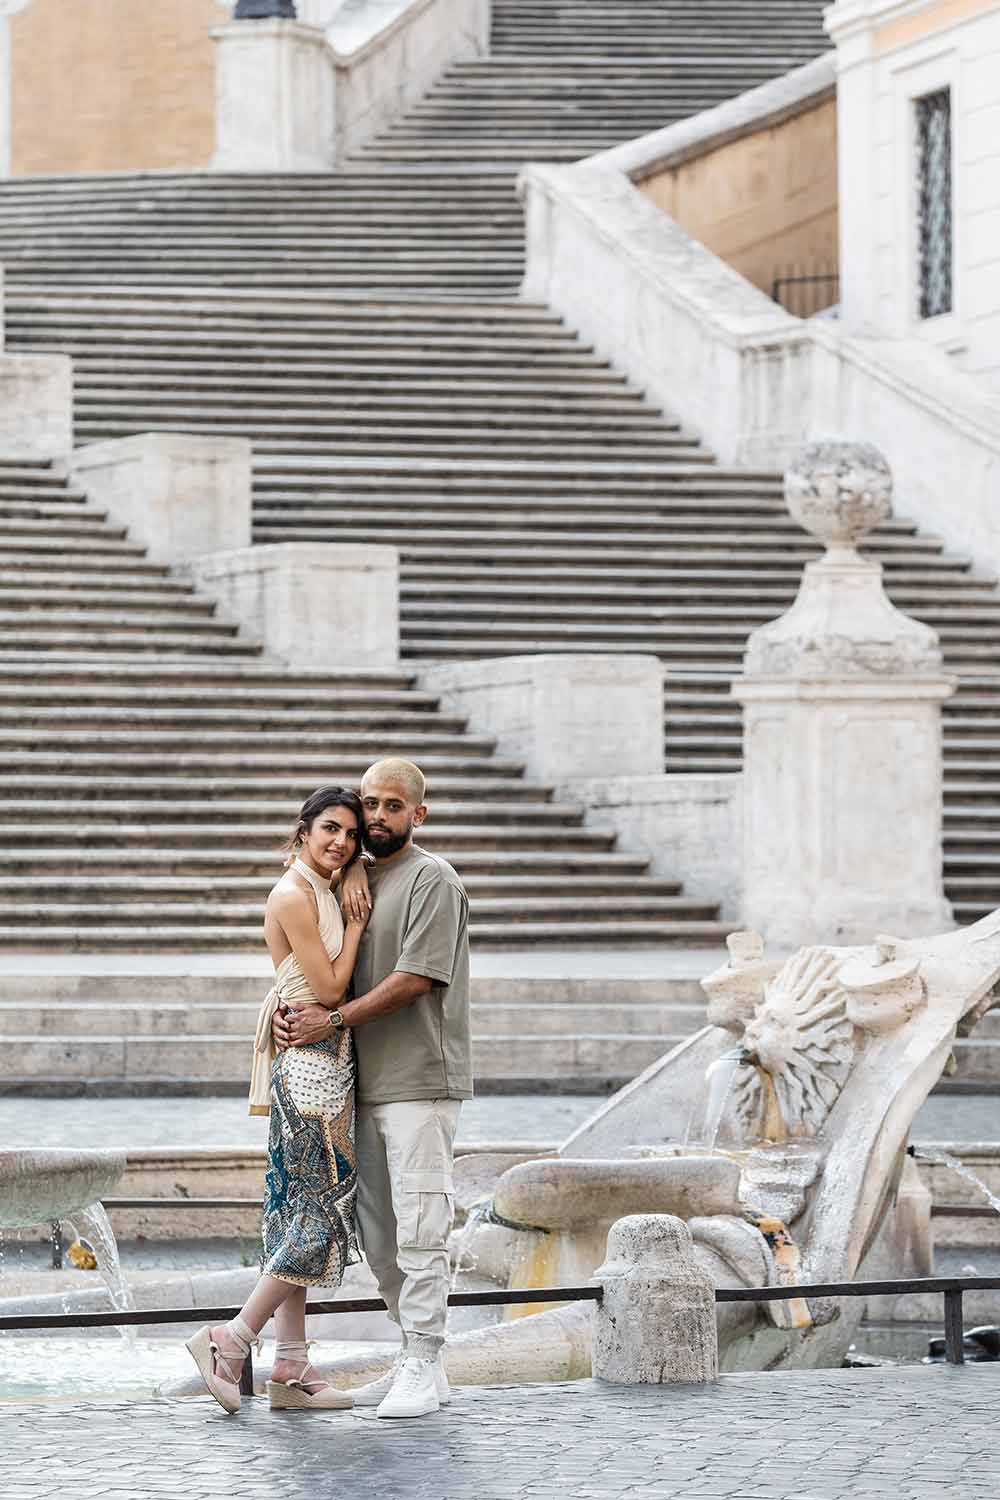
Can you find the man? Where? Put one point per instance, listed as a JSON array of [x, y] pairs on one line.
[[412, 1034]]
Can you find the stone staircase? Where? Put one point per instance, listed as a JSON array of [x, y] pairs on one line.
[[362, 330], [567, 79], [151, 761], [540, 502]]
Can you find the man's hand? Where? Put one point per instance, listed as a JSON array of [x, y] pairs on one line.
[[309, 1023], [355, 897], [279, 1029]]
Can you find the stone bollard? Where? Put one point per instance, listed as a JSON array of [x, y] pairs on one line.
[[656, 1324], [842, 733]]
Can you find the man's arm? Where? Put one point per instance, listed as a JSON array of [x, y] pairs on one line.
[[312, 1022]]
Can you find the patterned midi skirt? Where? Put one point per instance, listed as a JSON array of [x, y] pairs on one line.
[[312, 1179]]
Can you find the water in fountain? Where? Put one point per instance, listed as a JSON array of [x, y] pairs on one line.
[[719, 1077], [942, 1159], [93, 1225], [465, 1260]]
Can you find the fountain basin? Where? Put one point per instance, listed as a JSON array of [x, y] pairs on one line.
[[39, 1186], [566, 1194]]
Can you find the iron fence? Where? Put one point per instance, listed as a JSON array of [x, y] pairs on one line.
[[951, 1288]]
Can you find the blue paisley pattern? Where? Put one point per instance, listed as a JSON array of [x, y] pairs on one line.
[[312, 1180]]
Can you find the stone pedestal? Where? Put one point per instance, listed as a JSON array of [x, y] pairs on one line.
[[180, 496], [274, 98], [842, 734], [565, 716], [656, 1324], [314, 605]]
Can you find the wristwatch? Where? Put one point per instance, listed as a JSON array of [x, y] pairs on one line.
[[336, 1020]]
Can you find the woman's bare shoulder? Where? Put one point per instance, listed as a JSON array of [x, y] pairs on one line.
[[289, 894]]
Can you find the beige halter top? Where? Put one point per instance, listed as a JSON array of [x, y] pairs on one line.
[[291, 987]]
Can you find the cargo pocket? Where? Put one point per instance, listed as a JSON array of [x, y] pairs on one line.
[[428, 1207]]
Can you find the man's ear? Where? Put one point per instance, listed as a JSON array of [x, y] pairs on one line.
[[419, 814]]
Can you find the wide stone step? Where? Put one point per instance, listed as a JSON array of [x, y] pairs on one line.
[[178, 797], [217, 1059], [448, 751], [528, 910], [143, 937], [447, 775], [493, 892], [107, 828], [485, 870]]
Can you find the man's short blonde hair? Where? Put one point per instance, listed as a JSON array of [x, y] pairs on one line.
[[398, 772]]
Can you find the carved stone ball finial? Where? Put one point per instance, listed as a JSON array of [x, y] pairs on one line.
[[839, 490]]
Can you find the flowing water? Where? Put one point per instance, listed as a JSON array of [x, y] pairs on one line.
[[942, 1159], [719, 1076], [93, 1225], [465, 1259]]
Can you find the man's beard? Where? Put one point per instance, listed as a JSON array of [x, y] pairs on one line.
[[382, 844]]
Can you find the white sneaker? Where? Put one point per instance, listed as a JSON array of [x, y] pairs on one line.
[[375, 1392], [441, 1382], [414, 1390]]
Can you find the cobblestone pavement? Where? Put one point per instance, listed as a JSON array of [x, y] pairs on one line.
[[827, 1435]]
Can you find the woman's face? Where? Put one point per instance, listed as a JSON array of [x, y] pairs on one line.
[[332, 840]]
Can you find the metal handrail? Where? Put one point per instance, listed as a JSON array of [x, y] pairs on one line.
[[952, 1288]]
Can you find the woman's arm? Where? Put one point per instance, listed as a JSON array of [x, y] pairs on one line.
[[328, 979]]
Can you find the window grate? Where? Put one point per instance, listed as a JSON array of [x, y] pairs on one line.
[[934, 203]]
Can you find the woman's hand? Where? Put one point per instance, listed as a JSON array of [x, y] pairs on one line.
[[355, 897]]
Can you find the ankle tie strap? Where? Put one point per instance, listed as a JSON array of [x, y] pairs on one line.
[[296, 1351], [243, 1336]]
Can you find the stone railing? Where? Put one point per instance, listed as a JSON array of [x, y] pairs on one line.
[[297, 97], [750, 379]]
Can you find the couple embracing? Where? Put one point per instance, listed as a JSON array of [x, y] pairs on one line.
[[363, 1093]]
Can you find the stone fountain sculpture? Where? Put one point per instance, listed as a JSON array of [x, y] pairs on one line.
[[48, 1186], [778, 1132]]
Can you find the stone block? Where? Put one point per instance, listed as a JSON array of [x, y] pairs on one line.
[[566, 716], [656, 1322], [320, 605], [274, 98], [180, 496], [36, 405], [691, 827]]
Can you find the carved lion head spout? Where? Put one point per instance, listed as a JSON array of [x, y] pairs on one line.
[[800, 1045]]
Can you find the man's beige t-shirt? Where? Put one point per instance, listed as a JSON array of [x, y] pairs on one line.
[[419, 925]]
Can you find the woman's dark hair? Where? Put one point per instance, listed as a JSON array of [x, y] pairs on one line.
[[317, 801]]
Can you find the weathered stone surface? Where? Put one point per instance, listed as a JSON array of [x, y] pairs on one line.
[[656, 1322], [179, 495], [36, 405], [567, 1194], [839, 693], [322, 604], [567, 716], [274, 98], [838, 490], [39, 1186]]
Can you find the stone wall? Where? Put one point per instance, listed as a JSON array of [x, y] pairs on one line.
[[112, 85], [889, 56], [767, 202]]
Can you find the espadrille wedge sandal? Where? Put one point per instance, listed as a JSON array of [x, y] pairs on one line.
[[295, 1395]]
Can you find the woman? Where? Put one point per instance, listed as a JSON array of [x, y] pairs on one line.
[[311, 1177]]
